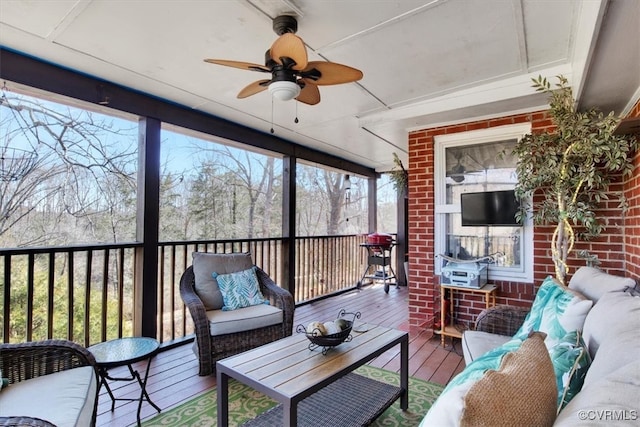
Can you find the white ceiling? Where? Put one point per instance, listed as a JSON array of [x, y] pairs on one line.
[[425, 63]]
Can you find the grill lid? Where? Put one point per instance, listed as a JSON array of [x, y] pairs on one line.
[[381, 239]]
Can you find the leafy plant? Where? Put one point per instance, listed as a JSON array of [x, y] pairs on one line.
[[570, 169], [399, 175]]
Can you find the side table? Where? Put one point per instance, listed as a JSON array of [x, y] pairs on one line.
[[125, 351], [489, 292]]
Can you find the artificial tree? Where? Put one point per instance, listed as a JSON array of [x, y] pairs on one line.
[[564, 174]]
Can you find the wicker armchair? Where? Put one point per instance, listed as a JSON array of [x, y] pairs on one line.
[[24, 361], [501, 319], [213, 348]]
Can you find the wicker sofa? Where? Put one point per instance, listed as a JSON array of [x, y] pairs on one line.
[[221, 334], [51, 383], [609, 379]]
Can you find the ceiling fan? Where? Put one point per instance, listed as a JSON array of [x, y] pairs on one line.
[[292, 75], [457, 171]]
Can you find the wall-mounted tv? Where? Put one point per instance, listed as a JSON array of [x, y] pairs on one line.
[[489, 208]]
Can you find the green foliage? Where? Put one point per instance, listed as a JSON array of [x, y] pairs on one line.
[[570, 169], [399, 175], [19, 298]]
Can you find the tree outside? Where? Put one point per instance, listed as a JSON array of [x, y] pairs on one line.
[[69, 177]]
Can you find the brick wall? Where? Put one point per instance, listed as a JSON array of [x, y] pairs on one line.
[[424, 299], [632, 218]]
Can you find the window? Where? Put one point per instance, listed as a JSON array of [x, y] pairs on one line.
[[68, 172], [480, 161], [213, 190], [324, 206]]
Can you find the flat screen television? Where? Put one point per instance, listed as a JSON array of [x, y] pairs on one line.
[[489, 208]]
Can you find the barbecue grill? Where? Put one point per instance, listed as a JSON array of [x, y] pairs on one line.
[[378, 247]]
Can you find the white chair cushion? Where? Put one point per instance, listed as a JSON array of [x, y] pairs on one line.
[[66, 398], [243, 319], [477, 343]]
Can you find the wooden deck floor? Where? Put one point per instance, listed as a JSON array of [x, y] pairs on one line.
[[173, 376]]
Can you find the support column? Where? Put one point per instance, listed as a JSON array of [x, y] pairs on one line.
[[372, 201], [402, 237], [289, 224], [148, 213]]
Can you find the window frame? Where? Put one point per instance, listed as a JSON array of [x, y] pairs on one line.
[[442, 209]]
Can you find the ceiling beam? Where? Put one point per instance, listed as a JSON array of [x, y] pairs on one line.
[[29, 71]]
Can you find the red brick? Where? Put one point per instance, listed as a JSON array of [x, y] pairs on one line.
[[618, 248]]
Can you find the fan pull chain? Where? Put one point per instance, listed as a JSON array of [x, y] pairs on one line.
[[272, 131], [296, 120]]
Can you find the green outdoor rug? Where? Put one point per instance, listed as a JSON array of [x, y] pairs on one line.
[[245, 403]]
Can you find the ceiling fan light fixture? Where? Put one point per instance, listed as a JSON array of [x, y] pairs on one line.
[[284, 90]]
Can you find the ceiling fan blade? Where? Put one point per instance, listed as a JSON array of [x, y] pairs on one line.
[[330, 73], [239, 64], [291, 46], [309, 94], [253, 88]]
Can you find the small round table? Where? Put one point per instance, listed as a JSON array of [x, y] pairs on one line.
[[125, 351]]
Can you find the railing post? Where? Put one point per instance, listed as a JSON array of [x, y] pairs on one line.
[[6, 306], [146, 275], [289, 224]]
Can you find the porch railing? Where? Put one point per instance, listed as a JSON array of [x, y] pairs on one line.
[[85, 293]]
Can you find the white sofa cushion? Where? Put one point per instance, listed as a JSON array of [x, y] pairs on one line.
[[614, 313], [612, 333], [65, 398], [477, 343], [609, 401], [243, 319], [594, 283]]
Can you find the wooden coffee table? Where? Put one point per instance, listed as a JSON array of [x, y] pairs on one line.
[[315, 389]]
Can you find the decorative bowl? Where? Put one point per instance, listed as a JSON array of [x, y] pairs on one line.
[[331, 340]]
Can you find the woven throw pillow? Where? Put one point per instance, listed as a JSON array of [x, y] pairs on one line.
[[556, 310], [447, 409], [571, 362], [240, 289], [204, 264], [521, 392]]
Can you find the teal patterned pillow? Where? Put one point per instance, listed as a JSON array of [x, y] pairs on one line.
[[240, 289], [4, 382], [556, 310], [571, 361]]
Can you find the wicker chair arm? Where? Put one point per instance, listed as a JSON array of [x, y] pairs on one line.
[[501, 319], [24, 422], [23, 361], [278, 297], [198, 315]]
